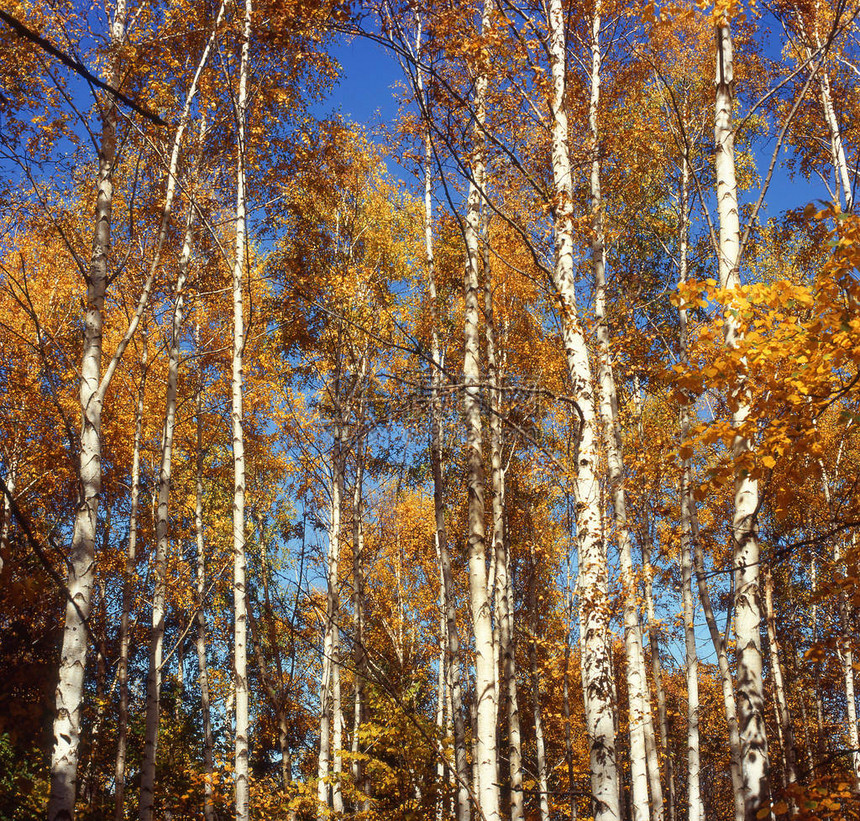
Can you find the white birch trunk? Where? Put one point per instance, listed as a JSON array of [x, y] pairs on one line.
[[82, 556], [655, 746], [837, 148], [813, 615], [640, 710], [485, 673], [593, 574], [783, 712], [358, 610], [127, 597], [162, 526], [694, 794], [240, 614], [726, 681], [202, 666], [568, 740], [69, 693], [662, 741], [846, 657], [337, 731], [540, 746], [750, 687], [449, 614], [688, 535], [505, 648], [331, 640]]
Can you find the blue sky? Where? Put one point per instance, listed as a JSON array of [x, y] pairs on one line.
[[365, 94]]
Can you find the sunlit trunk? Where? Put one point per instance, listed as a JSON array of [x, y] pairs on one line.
[[540, 746], [783, 712], [82, 556], [656, 747], [688, 536], [127, 598], [501, 560], [485, 673], [331, 635], [593, 573], [202, 666], [746, 552], [640, 708], [162, 527], [240, 614], [449, 613]]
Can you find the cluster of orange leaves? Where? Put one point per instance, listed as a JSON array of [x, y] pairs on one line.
[[797, 358]]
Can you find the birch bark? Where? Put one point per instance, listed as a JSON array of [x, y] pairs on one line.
[[662, 741], [501, 560], [240, 613], [359, 659], [331, 639], [127, 596], [782, 709], [449, 614], [846, 656], [540, 746], [640, 710], [691, 520], [162, 526], [82, 556], [593, 574], [694, 794], [750, 687], [202, 666], [485, 673]]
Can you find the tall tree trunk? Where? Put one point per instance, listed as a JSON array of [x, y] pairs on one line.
[[162, 526], [202, 667], [813, 616], [331, 639], [485, 673], [729, 704], [359, 659], [593, 574], [540, 747], [81, 573], [568, 741], [688, 535], [694, 794], [449, 614], [656, 666], [337, 730], [837, 148], [782, 709], [127, 598], [501, 560], [82, 557], [717, 639], [640, 709], [240, 615], [846, 657], [746, 551]]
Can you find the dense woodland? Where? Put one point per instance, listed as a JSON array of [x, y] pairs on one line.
[[499, 462]]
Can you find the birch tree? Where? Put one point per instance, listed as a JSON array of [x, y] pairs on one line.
[[593, 581], [240, 611], [750, 689], [486, 758]]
